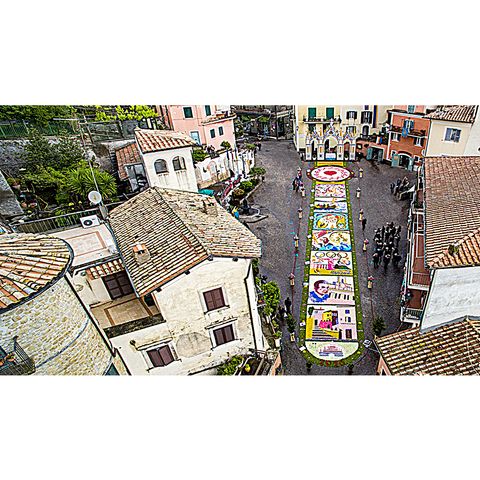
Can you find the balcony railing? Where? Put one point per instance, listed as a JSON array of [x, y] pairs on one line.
[[14, 360], [413, 313], [321, 119]]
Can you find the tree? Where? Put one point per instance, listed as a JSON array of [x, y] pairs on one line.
[[119, 112], [79, 181], [378, 325], [226, 145], [271, 294], [36, 114]]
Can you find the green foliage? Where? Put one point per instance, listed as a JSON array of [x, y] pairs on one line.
[[246, 186], [47, 182], [378, 325], [226, 145], [255, 268], [36, 114], [257, 171], [230, 367], [131, 112], [79, 182], [238, 193], [250, 146], [291, 323], [263, 119], [277, 334], [198, 154], [271, 294], [39, 152]]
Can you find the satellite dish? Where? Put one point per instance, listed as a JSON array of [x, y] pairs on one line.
[[95, 197]]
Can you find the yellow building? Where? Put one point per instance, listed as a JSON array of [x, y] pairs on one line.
[[356, 120], [451, 131]]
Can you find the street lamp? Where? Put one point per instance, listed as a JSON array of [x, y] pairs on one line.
[[295, 238], [292, 279], [300, 213]]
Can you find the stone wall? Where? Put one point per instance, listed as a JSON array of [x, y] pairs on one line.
[[56, 332]]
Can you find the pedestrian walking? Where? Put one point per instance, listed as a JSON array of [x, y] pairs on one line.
[[360, 172], [299, 173], [259, 146], [364, 222], [365, 244], [358, 192], [297, 186], [281, 313], [376, 260], [392, 188], [288, 305], [360, 215], [386, 260], [370, 282], [294, 184]]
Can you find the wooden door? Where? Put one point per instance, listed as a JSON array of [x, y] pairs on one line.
[[117, 285]]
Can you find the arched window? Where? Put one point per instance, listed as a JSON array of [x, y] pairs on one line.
[[161, 166], [179, 163]]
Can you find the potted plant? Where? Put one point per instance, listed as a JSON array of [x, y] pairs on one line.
[[247, 368], [277, 335]]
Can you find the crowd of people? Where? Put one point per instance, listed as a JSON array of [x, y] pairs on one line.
[[400, 186], [387, 246]]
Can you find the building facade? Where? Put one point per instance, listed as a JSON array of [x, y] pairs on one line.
[[44, 327]]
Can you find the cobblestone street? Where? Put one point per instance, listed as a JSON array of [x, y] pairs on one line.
[[277, 200]]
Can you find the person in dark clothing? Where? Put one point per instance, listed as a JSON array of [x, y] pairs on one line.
[[281, 313], [364, 222], [397, 240], [392, 187], [295, 184], [386, 260], [379, 250], [376, 259], [396, 259], [391, 226], [399, 229], [288, 305], [397, 188], [398, 182], [383, 233]]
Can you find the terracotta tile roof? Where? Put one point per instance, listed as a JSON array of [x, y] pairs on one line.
[[452, 349], [468, 253], [452, 208], [105, 269], [125, 156], [157, 140], [180, 230], [28, 263], [456, 113]]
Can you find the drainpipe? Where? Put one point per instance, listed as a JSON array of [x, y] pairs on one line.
[[250, 305]]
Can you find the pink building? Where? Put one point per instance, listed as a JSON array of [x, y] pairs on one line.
[[208, 125]]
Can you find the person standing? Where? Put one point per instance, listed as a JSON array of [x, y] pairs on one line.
[[364, 223], [376, 259], [386, 260], [396, 258], [294, 183], [397, 240], [288, 305], [383, 233], [399, 229], [392, 188], [370, 282]]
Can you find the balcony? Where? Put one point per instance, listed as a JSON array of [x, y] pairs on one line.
[[411, 133], [14, 360], [321, 119], [417, 274]]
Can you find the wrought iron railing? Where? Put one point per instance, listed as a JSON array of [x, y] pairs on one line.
[[14, 360], [321, 119]]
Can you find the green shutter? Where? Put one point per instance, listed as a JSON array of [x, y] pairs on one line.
[[208, 110], [330, 112], [187, 112], [312, 112]]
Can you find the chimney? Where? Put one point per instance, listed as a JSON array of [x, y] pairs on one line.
[[209, 207], [453, 249], [141, 253]]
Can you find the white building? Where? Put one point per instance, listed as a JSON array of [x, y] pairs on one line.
[[189, 262]]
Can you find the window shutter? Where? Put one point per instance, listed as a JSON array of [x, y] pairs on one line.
[[155, 358], [228, 333], [166, 355]]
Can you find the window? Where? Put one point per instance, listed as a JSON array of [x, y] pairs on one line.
[[408, 124], [352, 114], [411, 108], [223, 335], [396, 137], [208, 110], [212, 133], [366, 117], [196, 137], [179, 163], [161, 356], [330, 112], [312, 112], [117, 285], [452, 135], [220, 131], [418, 141], [214, 299], [352, 130], [161, 166], [348, 333], [365, 107], [188, 112]]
